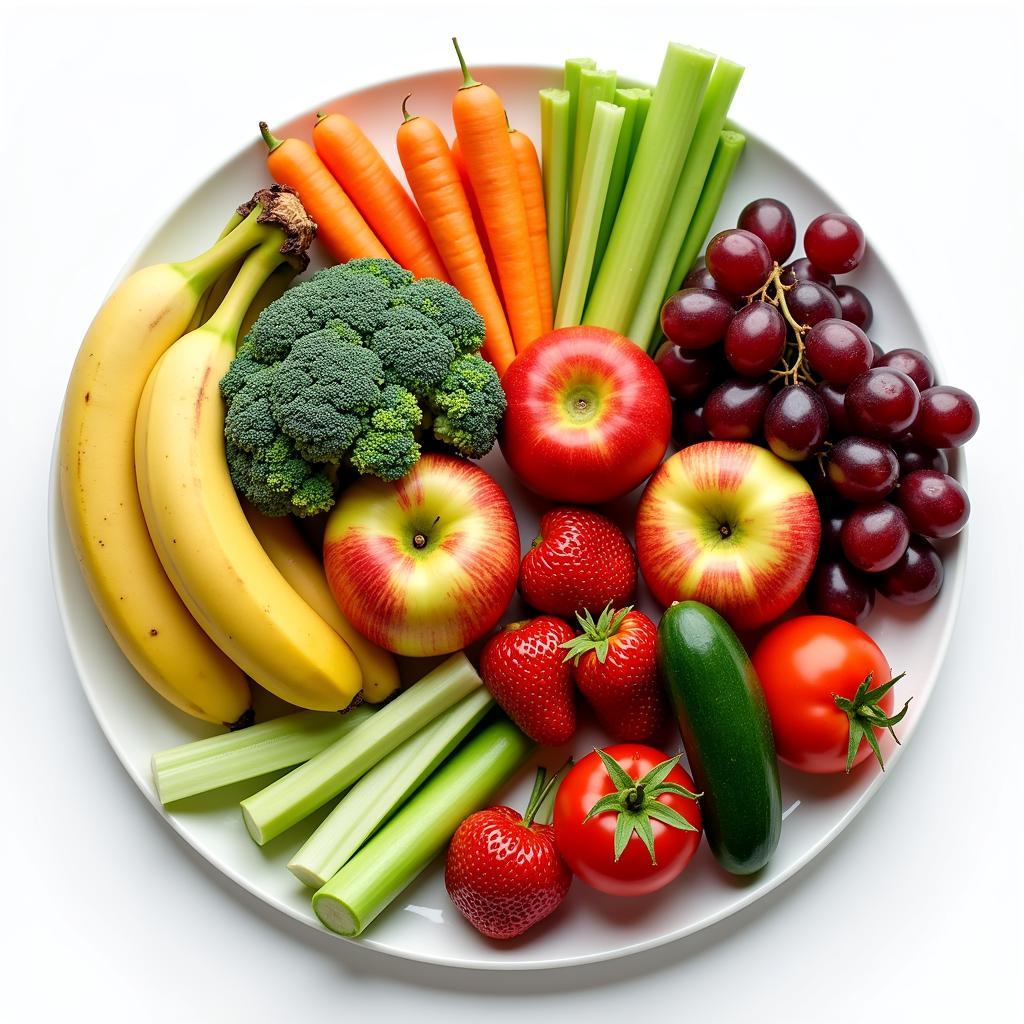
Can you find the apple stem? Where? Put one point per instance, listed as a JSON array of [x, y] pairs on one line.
[[725, 530]]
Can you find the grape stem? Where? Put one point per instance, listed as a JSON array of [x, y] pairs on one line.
[[793, 368]]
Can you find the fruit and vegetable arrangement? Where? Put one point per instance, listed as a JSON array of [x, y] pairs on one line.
[[274, 485]]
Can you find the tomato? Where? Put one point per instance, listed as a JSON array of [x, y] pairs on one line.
[[804, 664], [588, 847], [589, 415]]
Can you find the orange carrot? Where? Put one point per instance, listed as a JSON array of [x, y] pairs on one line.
[[361, 171], [339, 224], [528, 167], [483, 136], [435, 183], [474, 207]]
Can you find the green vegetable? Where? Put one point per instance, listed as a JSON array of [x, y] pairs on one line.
[[727, 152], [350, 368], [288, 800], [390, 861], [217, 761], [574, 68], [555, 140], [383, 789], [643, 108], [597, 168], [724, 723], [721, 88], [595, 87], [631, 101], [650, 187]]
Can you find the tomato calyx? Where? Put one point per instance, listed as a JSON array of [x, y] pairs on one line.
[[865, 715], [543, 787], [596, 635], [635, 801]]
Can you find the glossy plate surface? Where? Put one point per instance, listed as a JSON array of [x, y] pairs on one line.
[[422, 924]]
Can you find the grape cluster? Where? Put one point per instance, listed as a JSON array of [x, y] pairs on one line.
[[774, 352]]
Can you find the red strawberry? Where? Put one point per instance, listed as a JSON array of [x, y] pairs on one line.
[[523, 667], [503, 870], [615, 668], [579, 560]]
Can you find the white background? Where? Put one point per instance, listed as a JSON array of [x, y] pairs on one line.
[[910, 114]]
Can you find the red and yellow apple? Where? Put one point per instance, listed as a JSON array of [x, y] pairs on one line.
[[588, 417], [427, 564], [731, 525]]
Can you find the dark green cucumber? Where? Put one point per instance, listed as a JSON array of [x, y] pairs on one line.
[[724, 723]]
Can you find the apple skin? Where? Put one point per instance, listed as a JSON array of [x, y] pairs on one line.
[[434, 599], [589, 415], [753, 574]]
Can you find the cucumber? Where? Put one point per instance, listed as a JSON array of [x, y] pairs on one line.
[[724, 723]]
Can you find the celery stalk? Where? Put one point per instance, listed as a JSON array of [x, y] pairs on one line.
[[651, 186], [630, 100], [555, 142], [393, 858], [574, 67], [597, 169], [721, 88], [643, 108], [288, 800], [383, 789], [595, 87], [203, 765], [730, 145]]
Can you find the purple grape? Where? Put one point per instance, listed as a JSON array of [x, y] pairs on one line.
[[795, 423], [855, 305]]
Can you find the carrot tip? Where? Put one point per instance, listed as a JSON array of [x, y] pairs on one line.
[[406, 116], [268, 137]]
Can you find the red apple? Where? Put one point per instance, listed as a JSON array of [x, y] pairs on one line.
[[729, 524], [427, 564], [588, 418]]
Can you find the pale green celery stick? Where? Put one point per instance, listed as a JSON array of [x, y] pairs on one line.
[[595, 86], [650, 187], [203, 765], [643, 108], [288, 800], [730, 145], [721, 88], [597, 169], [555, 143], [574, 67], [630, 100], [394, 857], [383, 789]]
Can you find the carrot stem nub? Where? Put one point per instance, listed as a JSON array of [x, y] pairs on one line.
[[468, 81], [268, 137]]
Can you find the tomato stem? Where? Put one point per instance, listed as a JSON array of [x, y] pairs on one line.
[[865, 715]]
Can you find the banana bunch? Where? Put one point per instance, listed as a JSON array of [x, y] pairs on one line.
[[182, 582]]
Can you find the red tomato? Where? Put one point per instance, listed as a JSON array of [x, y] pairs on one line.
[[803, 665], [589, 415], [588, 847]]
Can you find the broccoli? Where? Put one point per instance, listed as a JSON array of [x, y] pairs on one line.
[[351, 368]]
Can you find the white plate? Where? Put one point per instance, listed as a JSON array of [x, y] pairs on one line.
[[422, 924]]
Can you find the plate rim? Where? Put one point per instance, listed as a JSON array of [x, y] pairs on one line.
[[56, 535]]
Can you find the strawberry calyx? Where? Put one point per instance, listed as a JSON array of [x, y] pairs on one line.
[[865, 715], [543, 787], [596, 636], [635, 801]]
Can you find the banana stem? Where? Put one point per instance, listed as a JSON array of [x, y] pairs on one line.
[[204, 269], [258, 266]]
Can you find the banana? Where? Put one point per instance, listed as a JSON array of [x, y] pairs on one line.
[[287, 549], [144, 614], [199, 529]]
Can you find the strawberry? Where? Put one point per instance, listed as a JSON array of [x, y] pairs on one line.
[[503, 870], [615, 668], [579, 560], [523, 667]]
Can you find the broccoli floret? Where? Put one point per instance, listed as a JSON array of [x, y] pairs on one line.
[[321, 393], [349, 369], [414, 351], [468, 406], [456, 318]]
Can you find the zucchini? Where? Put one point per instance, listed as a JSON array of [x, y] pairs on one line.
[[724, 723]]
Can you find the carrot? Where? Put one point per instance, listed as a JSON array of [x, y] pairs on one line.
[[339, 225], [528, 167], [434, 179], [483, 136], [361, 171], [478, 221]]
